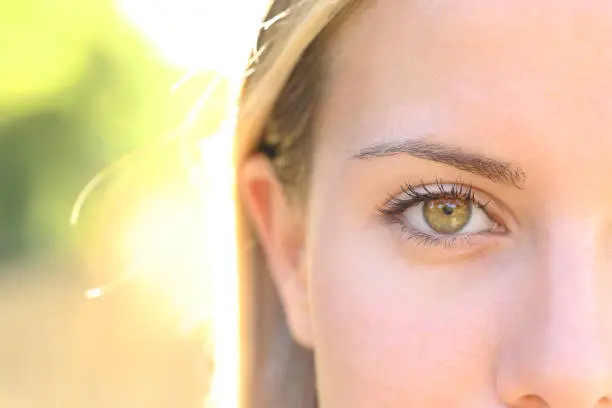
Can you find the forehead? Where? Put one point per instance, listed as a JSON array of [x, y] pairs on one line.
[[502, 73], [477, 32]]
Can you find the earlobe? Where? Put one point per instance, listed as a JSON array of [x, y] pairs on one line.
[[280, 227]]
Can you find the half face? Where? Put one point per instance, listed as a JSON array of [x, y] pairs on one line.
[[458, 237]]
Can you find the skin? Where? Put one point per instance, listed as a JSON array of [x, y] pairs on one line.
[[520, 319]]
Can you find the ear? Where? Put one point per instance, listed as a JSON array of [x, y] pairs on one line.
[[281, 227]]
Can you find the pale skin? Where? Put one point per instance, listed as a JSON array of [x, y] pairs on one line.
[[517, 318]]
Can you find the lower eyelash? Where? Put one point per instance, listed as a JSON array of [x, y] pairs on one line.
[[425, 240], [422, 239]]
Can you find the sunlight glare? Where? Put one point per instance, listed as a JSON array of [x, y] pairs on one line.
[[218, 36], [93, 293], [197, 34], [164, 244], [219, 206]]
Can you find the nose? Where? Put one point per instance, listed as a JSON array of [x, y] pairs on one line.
[[558, 355]]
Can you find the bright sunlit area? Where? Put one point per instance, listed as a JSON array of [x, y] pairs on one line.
[[118, 240]]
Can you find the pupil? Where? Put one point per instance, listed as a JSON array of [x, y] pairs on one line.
[[448, 210]]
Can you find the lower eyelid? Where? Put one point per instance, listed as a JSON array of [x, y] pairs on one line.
[[461, 243], [457, 246]]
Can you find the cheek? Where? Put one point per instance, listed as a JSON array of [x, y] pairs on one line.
[[391, 334]]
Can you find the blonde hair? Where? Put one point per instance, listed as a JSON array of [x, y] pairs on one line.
[[275, 111]]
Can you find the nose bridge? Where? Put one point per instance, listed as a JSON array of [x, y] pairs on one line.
[[559, 354]]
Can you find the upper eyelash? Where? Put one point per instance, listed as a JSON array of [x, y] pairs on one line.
[[396, 204]]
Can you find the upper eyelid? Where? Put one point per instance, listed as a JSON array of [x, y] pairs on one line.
[[387, 210], [456, 190], [435, 189]]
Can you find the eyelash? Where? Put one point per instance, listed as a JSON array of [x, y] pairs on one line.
[[396, 205]]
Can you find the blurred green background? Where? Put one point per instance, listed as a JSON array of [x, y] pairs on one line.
[[79, 89]]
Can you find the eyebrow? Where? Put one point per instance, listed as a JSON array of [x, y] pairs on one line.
[[498, 171]]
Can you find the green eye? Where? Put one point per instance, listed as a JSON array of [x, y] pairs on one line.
[[447, 215]]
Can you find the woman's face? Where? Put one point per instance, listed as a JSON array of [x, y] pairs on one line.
[[514, 99], [458, 242]]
